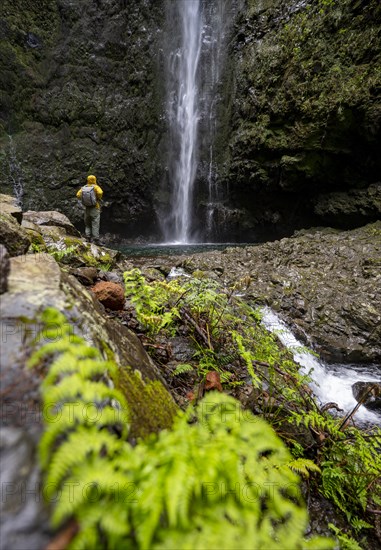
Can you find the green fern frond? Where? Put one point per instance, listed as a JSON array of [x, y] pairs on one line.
[[182, 369], [303, 466], [66, 344], [96, 481], [72, 388], [69, 363], [86, 442], [221, 478]]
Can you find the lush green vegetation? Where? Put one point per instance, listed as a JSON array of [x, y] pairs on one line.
[[222, 476], [307, 95], [228, 337]]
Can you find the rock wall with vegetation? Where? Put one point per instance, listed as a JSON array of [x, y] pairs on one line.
[[81, 93], [82, 90], [305, 131]]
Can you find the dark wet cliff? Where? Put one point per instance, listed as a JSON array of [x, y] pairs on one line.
[[81, 93], [297, 143], [305, 140]]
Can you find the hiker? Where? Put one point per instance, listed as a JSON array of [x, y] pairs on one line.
[[90, 196]]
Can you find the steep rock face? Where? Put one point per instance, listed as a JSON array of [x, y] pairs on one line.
[[81, 92], [298, 117], [306, 119]]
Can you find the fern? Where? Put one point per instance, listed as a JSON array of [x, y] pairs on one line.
[[182, 369], [346, 542], [227, 333], [219, 478], [303, 466]]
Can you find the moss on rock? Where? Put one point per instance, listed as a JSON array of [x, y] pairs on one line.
[[152, 407], [307, 109]]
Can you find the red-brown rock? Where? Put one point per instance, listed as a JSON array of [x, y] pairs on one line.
[[111, 295]]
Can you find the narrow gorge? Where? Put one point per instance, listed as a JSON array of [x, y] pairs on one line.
[[207, 374]]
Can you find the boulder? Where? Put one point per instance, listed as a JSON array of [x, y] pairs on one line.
[[35, 282], [49, 218], [111, 295], [12, 235], [111, 277], [369, 393], [24, 514], [8, 205], [4, 269], [30, 226], [52, 233], [85, 275]]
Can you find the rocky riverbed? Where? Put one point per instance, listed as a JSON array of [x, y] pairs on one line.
[[324, 283]]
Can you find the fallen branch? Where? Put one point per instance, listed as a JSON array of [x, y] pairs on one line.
[[197, 328], [349, 416]]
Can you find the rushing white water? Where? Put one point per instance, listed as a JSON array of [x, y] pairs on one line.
[[331, 383], [183, 114]]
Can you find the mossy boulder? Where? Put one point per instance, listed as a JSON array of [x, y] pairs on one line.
[[10, 206], [54, 233], [51, 218], [13, 236], [35, 282]]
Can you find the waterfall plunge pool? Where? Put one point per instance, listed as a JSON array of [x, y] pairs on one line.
[[176, 249]]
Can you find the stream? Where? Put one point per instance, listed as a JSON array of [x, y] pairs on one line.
[[331, 382]]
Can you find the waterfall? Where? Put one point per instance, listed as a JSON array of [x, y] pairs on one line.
[[195, 52], [330, 383], [15, 174], [183, 114]]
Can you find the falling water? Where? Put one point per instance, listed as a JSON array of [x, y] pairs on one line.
[[218, 20], [183, 114], [196, 50], [15, 174]]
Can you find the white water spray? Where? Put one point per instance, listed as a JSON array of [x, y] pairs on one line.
[[184, 115], [330, 383]]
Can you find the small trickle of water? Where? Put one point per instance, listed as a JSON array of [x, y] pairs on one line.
[[331, 383], [218, 19], [15, 174], [177, 272]]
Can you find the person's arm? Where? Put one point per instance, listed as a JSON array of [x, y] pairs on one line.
[[79, 194], [98, 192]]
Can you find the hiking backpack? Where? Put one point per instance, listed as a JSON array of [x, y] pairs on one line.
[[88, 196]]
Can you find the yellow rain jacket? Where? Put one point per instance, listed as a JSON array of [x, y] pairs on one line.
[[92, 180]]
